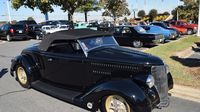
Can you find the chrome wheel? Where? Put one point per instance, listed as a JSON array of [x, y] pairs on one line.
[[137, 44], [22, 76], [189, 31], [8, 38], [37, 37], [115, 103]]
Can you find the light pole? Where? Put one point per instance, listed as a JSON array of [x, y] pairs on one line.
[[198, 32], [177, 13], [8, 7]]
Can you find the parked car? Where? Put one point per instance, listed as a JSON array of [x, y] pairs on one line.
[[136, 36], [163, 25], [47, 29], [89, 69], [168, 34], [39, 33], [106, 26], [184, 27], [93, 25], [30, 27], [80, 25], [13, 32]]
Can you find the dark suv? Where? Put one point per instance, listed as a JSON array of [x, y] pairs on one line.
[[30, 26], [13, 32]]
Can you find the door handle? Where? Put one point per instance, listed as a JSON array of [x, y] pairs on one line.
[[50, 59]]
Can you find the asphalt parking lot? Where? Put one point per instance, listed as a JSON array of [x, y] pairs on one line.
[[13, 98]]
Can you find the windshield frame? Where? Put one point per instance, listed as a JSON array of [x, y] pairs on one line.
[[134, 28], [96, 47]]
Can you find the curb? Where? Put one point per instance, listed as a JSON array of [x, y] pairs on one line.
[[185, 92]]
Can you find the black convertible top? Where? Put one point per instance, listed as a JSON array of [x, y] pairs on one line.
[[70, 35]]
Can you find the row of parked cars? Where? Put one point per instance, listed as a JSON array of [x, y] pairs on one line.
[[128, 35]]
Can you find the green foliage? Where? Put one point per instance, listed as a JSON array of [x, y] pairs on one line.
[[141, 13], [43, 5], [152, 14], [89, 5], [30, 18], [188, 11], [115, 8], [166, 13]]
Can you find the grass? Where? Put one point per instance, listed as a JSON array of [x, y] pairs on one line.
[[179, 72]]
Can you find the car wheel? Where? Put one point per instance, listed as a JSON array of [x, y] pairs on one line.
[[38, 37], [137, 44], [189, 31], [22, 76], [8, 38], [115, 103]]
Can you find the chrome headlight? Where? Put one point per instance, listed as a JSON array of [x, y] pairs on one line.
[[150, 81]]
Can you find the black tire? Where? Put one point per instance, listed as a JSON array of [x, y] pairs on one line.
[[137, 44], [25, 84], [8, 38], [123, 103], [189, 31]]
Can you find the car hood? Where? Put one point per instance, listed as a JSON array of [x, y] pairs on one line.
[[123, 55]]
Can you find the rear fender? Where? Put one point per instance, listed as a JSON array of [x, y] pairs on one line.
[[125, 88]]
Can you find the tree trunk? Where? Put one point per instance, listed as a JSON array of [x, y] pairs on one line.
[[70, 17], [86, 19]]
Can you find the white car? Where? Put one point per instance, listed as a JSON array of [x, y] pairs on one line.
[[52, 29]]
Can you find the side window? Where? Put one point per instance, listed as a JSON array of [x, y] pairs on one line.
[[173, 23], [65, 48], [126, 30], [117, 30]]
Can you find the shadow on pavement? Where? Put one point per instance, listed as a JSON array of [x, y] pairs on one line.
[[189, 62], [3, 72]]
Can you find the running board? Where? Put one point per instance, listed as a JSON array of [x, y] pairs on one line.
[[60, 93]]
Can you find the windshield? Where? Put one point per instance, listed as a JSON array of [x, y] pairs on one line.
[[139, 29], [89, 44]]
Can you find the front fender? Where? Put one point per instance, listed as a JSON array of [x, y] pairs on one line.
[[124, 87], [26, 62]]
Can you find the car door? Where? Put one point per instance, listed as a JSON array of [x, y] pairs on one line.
[[1, 31], [62, 65]]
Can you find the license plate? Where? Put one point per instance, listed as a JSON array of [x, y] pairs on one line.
[[20, 31]]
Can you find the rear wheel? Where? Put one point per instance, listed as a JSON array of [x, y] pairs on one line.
[[189, 31], [8, 38], [22, 76], [37, 37], [137, 44], [115, 103]]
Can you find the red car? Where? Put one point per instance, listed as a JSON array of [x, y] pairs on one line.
[[184, 27]]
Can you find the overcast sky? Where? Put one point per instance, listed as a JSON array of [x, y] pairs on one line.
[[24, 13]]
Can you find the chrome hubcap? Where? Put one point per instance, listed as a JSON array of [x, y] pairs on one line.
[[22, 77], [137, 44], [116, 104]]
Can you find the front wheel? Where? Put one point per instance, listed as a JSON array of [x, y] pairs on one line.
[[189, 31], [115, 103], [22, 76], [137, 44]]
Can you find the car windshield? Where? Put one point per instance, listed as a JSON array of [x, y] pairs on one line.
[[139, 29], [89, 44]]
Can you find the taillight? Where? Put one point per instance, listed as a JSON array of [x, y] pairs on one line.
[[11, 31]]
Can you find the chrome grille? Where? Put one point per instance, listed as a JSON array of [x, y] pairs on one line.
[[161, 83]]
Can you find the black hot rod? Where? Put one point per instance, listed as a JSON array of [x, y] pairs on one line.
[[89, 69]]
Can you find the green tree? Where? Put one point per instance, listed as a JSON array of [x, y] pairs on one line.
[[44, 6], [152, 14], [89, 5], [166, 13], [141, 13], [30, 18], [188, 11], [70, 6], [115, 8]]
